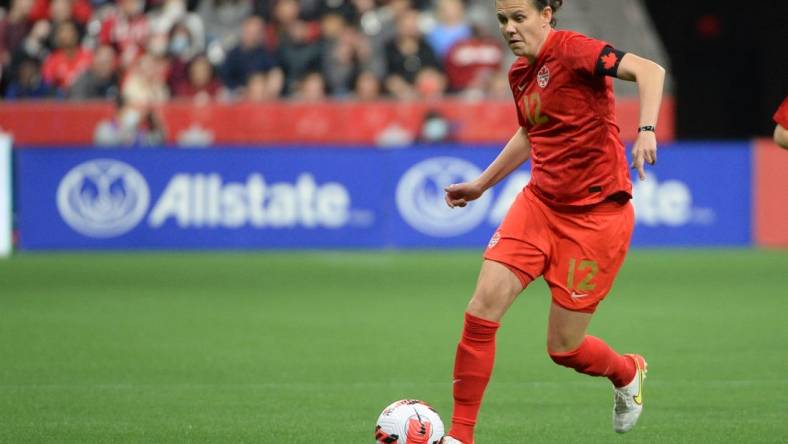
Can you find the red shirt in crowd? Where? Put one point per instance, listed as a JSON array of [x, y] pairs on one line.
[[467, 59], [81, 11], [60, 70], [127, 35]]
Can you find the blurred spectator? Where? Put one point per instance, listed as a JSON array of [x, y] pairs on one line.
[[345, 52], [201, 85], [264, 9], [406, 55], [35, 43], [145, 85], [435, 128], [62, 68], [101, 80], [299, 51], [183, 43], [471, 62], [127, 29], [498, 87], [27, 83], [181, 49], [251, 56], [62, 11], [430, 84], [421, 5], [130, 127], [256, 89], [312, 88], [378, 25], [361, 48], [13, 29], [173, 12], [344, 8], [223, 19], [450, 28], [287, 13], [57, 11], [367, 86], [156, 45]]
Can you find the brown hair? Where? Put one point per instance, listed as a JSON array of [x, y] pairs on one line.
[[555, 5]]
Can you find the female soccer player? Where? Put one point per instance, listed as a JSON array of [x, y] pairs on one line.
[[573, 222]]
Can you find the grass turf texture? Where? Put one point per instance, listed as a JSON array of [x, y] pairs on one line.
[[309, 347]]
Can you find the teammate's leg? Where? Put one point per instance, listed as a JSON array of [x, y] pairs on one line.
[[496, 289]]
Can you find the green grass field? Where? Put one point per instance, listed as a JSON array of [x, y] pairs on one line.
[[309, 347]]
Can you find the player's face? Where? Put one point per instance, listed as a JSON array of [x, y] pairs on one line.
[[523, 26]]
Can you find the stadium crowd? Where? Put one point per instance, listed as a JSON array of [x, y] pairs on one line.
[[146, 52]]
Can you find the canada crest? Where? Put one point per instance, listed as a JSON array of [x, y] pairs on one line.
[[543, 77]]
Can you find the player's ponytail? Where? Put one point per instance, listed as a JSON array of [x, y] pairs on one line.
[[555, 5]]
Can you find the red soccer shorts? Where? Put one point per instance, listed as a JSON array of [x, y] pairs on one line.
[[578, 251]]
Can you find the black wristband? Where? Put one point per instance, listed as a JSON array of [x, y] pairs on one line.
[[651, 128]]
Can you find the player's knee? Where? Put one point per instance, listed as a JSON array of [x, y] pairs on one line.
[[495, 291], [489, 302], [484, 307], [558, 343]]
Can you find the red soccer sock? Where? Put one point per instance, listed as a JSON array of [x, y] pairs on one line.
[[596, 358], [473, 366]]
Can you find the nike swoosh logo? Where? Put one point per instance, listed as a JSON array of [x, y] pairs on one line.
[[520, 87], [578, 295], [456, 381], [639, 397]]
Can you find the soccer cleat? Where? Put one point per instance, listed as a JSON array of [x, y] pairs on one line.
[[628, 400], [449, 440]]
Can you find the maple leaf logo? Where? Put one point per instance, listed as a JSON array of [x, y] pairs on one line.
[[609, 60]]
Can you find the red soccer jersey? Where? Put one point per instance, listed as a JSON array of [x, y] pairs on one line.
[[568, 111], [781, 116]]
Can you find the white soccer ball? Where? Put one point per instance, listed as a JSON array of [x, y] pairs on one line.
[[409, 421]]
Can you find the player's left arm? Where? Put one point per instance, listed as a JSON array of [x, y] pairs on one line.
[[650, 78]]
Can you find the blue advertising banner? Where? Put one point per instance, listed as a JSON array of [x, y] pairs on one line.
[[247, 198], [698, 194], [219, 198]]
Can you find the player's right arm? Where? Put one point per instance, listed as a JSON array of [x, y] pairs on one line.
[[514, 154]]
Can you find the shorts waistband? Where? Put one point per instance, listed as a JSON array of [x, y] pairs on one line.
[[611, 204]]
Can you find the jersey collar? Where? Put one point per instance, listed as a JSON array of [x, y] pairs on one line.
[[548, 41]]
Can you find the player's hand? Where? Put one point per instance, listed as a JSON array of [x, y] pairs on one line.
[[459, 194], [644, 151]]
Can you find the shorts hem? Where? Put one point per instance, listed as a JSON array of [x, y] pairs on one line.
[[522, 276], [589, 310]]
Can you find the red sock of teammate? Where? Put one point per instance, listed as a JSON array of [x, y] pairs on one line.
[[596, 358], [472, 369]]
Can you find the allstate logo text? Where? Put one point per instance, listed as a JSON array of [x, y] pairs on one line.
[[103, 198], [420, 197]]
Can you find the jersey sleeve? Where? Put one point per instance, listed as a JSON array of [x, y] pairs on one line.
[[781, 116], [591, 57]]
